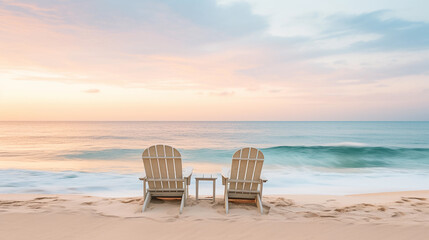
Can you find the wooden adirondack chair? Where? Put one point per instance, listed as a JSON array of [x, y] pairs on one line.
[[244, 180], [164, 174]]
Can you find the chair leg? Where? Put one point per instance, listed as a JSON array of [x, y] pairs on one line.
[[144, 190], [226, 202], [146, 201], [187, 188], [259, 203], [186, 195], [182, 203]]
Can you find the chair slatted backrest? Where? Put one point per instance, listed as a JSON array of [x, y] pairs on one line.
[[246, 166], [163, 167]]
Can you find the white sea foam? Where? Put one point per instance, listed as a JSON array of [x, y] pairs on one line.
[[280, 181], [346, 144]]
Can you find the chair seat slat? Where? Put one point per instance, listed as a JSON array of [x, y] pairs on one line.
[[243, 181], [248, 158], [165, 179]]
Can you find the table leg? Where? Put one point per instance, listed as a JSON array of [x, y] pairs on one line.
[[214, 190], [196, 189]]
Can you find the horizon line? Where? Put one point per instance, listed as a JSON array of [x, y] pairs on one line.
[[214, 120]]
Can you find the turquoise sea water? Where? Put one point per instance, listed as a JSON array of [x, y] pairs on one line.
[[300, 157]]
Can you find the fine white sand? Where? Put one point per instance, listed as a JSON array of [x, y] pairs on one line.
[[398, 215]]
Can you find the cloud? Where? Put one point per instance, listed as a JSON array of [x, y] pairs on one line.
[[189, 22], [393, 71], [199, 45], [222, 93], [394, 33], [92, 90], [143, 43], [170, 51], [236, 19]]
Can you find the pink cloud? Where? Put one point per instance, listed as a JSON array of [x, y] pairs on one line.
[[92, 90], [222, 93], [171, 52]]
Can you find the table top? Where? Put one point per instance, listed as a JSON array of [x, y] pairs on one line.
[[206, 176]]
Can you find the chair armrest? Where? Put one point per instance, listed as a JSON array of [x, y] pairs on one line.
[[143, 177], [225, 172], [263, 178], [187, 173]]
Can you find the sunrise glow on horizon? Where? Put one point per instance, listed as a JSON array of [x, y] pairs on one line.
[[213, 60]]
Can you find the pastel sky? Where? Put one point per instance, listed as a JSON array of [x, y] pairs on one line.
[[214, 60]]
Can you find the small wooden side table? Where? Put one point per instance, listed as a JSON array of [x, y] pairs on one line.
[[206, 177]]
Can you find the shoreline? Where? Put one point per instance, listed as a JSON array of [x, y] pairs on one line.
[[280, 182], [392, 215]]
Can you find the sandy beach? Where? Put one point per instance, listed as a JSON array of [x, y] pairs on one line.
[[396, 215], [308, 118]]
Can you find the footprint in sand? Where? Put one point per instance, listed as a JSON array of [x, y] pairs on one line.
[[343, 210], [419, 204], [281, 202], [311, 215], [43, 198], [130, 200], [314, 206], [410, 199], [35, 206], [398, 214], [360, 207], [417, 198], [381, 209], [218, 204], [11, 203], [46, 200], [266, 209]]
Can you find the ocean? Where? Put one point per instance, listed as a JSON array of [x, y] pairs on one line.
[[104, 158]]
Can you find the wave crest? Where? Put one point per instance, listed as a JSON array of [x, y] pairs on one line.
[[348, 156]]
